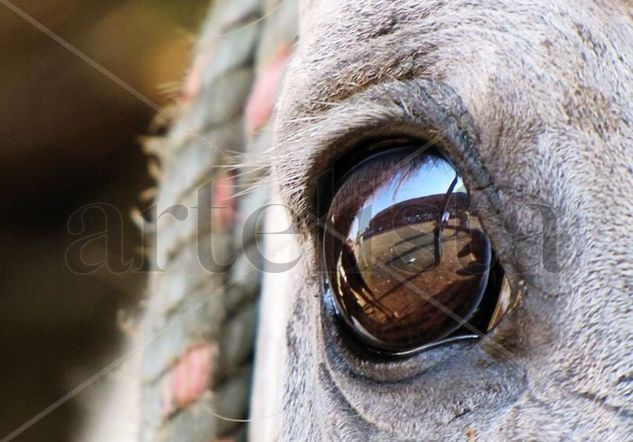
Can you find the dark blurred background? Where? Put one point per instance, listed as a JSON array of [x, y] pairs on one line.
[[69, 137]]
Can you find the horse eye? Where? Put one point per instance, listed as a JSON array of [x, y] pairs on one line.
[[407, 261]]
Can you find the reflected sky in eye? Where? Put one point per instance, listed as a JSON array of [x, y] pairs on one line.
[[434, 177]]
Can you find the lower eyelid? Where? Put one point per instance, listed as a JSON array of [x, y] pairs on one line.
[[346, 356]]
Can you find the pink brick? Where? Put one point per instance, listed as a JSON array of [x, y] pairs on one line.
[[223, 202], [193, 81], [188, 379], [262, 99]]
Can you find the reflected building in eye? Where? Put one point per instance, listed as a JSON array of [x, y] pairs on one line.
[[410, 261], [418, 211]]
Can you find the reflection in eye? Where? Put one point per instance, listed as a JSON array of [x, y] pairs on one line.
[[408, 263]]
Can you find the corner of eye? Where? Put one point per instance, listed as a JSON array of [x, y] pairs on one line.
[[505, 339]]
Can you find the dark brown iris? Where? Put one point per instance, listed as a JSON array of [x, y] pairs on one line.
[[407, 262]]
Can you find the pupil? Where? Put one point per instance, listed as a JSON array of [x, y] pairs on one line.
[[406, 260]]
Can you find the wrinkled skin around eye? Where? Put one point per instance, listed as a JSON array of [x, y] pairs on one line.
[[407, 262]]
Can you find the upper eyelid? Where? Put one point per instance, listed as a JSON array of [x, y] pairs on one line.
[[408, 109]]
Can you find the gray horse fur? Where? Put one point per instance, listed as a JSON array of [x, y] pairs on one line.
[[533, 102]]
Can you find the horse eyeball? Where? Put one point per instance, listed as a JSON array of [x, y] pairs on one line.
[[407, 261]]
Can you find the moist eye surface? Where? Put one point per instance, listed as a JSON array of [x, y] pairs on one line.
[[407, 261]]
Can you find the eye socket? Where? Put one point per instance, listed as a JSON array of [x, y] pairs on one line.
[[408, 263]]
